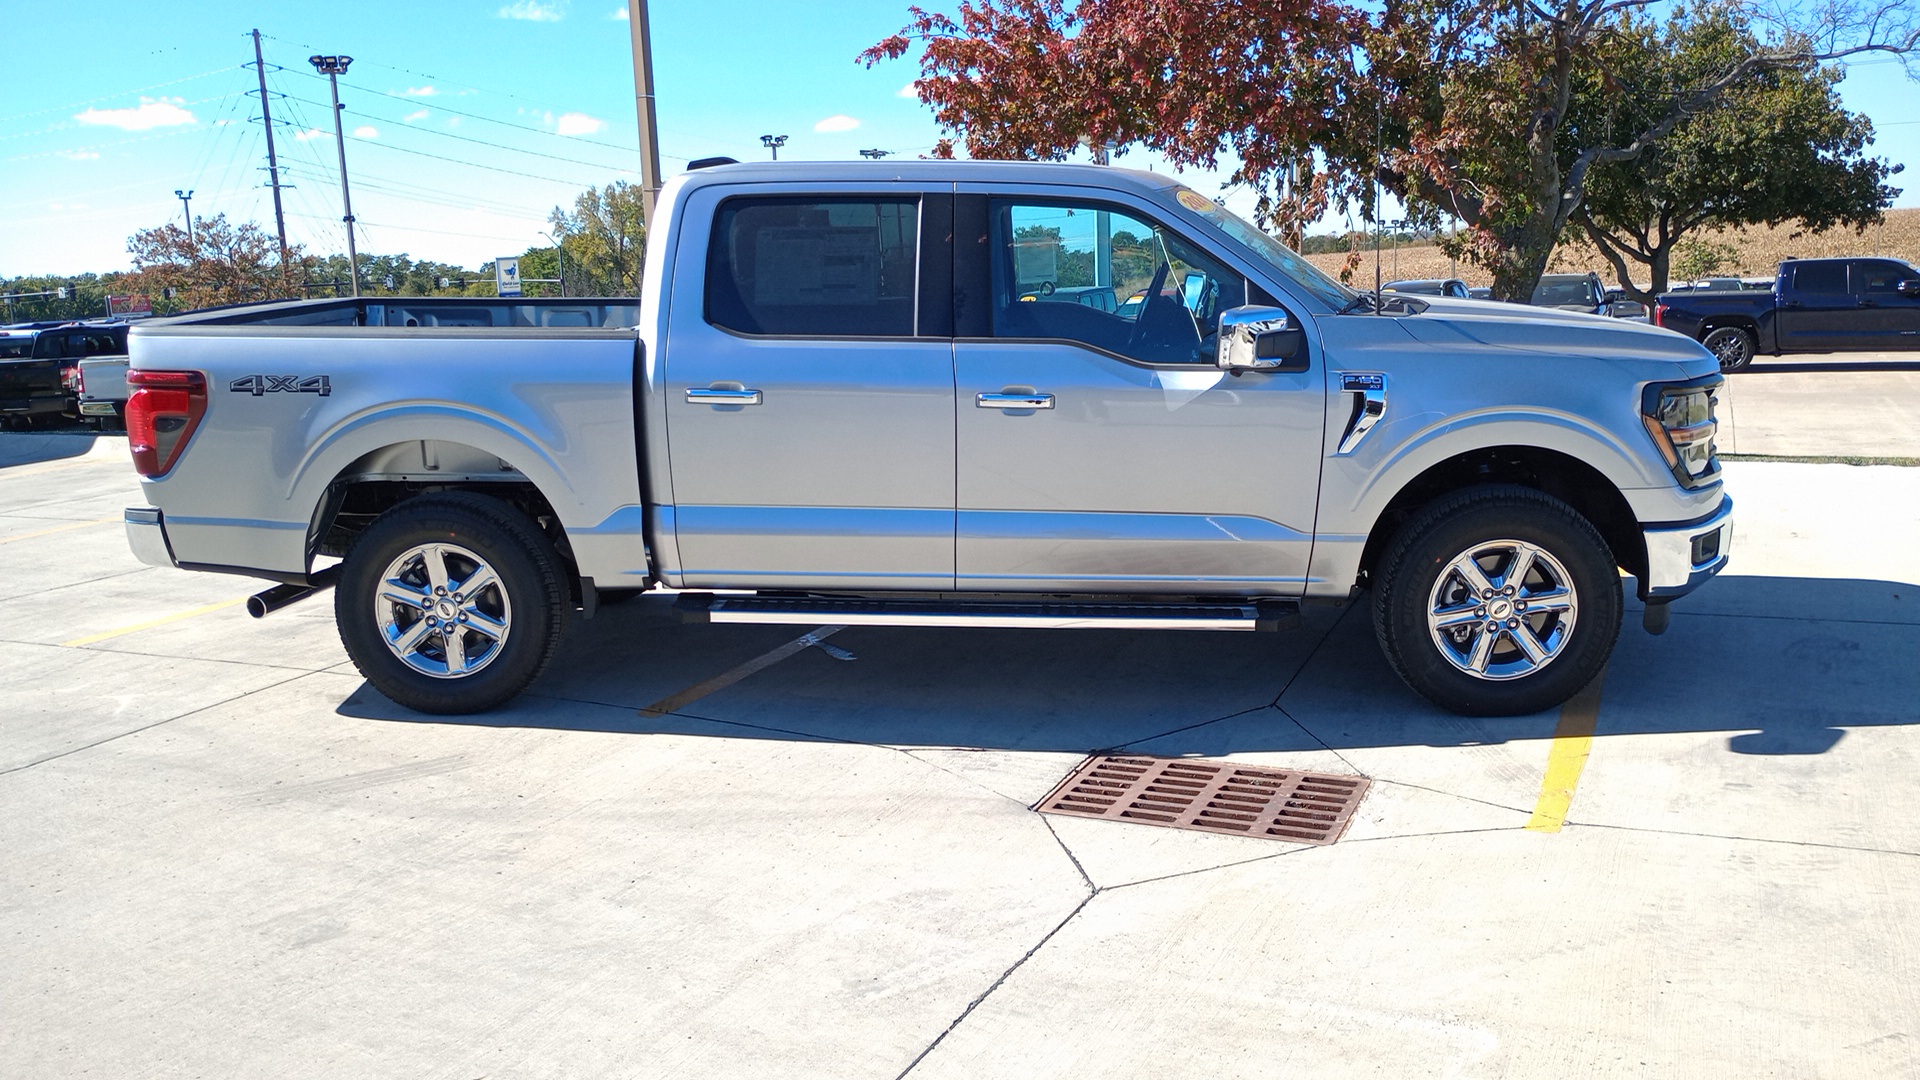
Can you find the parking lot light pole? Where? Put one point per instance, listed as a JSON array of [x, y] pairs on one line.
[[773, 143], [186, 200], [333, 67]]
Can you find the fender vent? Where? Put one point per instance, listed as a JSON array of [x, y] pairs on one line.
[[1211, 796]]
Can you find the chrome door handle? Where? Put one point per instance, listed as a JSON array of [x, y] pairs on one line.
[[1013, 401], [706, 395]]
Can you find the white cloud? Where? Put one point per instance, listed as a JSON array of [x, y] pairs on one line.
[[310, 134], [575, 123], [67, 206], [621, 15], [224, 123], [416, 116], [423, 91], [453, 121], [151, 113], [535, 10], [910, 91], [79, 155], [366, 131], [841, 122]]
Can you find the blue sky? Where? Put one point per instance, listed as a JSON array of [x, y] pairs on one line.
[[468, 121]]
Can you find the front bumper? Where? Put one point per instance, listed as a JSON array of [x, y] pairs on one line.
[[147, 536], [1681, 557]]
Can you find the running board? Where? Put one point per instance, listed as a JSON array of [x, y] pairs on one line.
[[1267, 615]]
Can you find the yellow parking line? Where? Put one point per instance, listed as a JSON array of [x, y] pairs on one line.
[[59, 529], [1572, 742], [151, 623]]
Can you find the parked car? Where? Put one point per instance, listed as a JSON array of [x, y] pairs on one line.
[[1431, 287], [1815, 305], [1620, 306], [31, 387], [837, 408], [60, 349], [100, 388]]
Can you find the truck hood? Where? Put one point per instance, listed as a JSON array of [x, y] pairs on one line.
[[1479, 325]]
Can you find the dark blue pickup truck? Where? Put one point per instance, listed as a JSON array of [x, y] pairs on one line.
[[1817, 305]]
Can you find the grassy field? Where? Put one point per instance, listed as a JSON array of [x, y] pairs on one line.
[[1759, 252]]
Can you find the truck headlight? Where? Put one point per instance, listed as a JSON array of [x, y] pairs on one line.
[[1680, 417]]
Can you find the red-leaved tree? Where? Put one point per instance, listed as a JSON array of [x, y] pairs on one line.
[[1458, 107]]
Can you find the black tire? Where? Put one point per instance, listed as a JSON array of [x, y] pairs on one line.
[[528, 603], [1733, 346], [1416, 577]]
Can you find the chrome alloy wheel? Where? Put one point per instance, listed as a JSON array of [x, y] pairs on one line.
[[442, 610], [1502, 609]]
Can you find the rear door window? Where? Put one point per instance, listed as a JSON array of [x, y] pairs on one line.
[[814, 267], [1821, 278]]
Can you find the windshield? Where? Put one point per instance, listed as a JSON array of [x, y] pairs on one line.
[[1281, 257], [1568, 293]]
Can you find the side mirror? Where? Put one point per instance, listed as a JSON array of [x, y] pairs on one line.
[[1256, 338], [1909, 287]]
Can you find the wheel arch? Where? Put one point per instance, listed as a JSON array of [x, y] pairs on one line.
[[1551, 472], [361, 490]]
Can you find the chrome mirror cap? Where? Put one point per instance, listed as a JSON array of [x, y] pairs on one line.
[[1254, 338]]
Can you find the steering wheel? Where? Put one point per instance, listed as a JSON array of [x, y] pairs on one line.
[[1139, 334]]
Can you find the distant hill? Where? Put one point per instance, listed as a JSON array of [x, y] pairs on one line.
[[1757, 252]]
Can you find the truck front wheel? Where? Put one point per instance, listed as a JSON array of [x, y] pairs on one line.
[[1730, 345], [1497, 601], [451, 603]]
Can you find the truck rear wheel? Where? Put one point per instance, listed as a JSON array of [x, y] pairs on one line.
[[451, 603], [1732, 346], [1497, 601]]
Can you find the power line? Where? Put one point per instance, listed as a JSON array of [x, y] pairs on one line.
[[479, 142], [111, 97]]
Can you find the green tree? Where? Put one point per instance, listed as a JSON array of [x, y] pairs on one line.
[[1778, 148], [605, 238]]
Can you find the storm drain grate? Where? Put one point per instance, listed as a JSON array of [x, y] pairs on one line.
[[1211, 796]]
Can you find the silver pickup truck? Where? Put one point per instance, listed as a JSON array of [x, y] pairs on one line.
[[878, 394]]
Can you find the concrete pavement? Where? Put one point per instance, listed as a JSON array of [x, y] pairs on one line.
[[1844, 404], [225, 855]]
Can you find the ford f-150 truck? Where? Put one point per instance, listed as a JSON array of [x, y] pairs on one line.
[[1815, 305], [868, 393]]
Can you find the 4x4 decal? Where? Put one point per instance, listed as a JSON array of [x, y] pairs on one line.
[[282, 384]]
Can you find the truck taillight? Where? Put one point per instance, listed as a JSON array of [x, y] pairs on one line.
[[1659, 314], [162, 411]]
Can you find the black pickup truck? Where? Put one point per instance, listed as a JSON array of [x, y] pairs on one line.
[[39, 365], [1816, 305]]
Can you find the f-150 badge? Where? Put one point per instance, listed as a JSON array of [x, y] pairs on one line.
[[282, 384], [1369, 390]]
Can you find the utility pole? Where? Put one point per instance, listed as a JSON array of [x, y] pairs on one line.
[[561, 249], [186, 200], [333, 67], [773, 143], [273, 160], [643, 106]]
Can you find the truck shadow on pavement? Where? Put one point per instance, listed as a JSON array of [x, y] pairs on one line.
[[1782, 665], [30, 448]]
